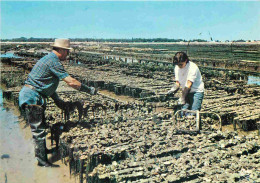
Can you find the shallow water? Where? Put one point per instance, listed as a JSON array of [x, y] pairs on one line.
[[17, 162], [9, 55], [253, 80], [13, 144]]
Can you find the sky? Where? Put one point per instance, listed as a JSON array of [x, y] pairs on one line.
[[221, 20]]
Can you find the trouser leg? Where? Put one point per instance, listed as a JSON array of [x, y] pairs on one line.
[[197, 101], [40, 152], [194, 102]]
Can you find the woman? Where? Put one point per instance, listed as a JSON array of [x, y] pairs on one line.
[[188, 77]]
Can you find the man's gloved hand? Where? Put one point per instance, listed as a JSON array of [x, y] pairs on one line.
[[183, 99], [87, 89], [173, 90]]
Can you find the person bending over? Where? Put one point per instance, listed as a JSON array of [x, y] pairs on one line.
[[42, 83], [187, 77]]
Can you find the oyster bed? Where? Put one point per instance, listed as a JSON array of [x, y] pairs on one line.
[[233, 100], [138, 146], [140, 141]]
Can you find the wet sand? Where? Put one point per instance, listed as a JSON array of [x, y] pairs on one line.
[[17, 163]]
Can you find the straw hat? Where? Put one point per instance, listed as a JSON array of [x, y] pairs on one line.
[[62, 43]]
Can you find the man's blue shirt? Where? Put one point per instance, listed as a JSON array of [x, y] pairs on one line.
[[46, 74]]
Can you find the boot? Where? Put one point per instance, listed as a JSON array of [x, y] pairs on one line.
[[51, 151], [41, 154], [36, 119]]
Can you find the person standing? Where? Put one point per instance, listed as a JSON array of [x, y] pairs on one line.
[[188, 77], [42, 83]]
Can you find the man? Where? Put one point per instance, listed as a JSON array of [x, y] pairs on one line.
[[41, 83], [188, 77]]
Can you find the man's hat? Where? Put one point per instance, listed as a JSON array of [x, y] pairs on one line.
[[62, 43]]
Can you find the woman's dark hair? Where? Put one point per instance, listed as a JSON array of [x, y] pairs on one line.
[[180, 57]]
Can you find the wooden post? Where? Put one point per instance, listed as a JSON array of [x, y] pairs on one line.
[[234, 124], [258, 127], [198, 120]]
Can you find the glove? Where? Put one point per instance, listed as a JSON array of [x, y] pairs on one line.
[[87, 89], [173, 90], [183, 99]]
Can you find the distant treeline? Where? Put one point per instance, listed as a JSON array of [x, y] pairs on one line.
[[24, 39]]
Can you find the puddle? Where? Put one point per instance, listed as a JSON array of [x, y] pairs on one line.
[[5, 156], [253, 80], [9, 55]]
